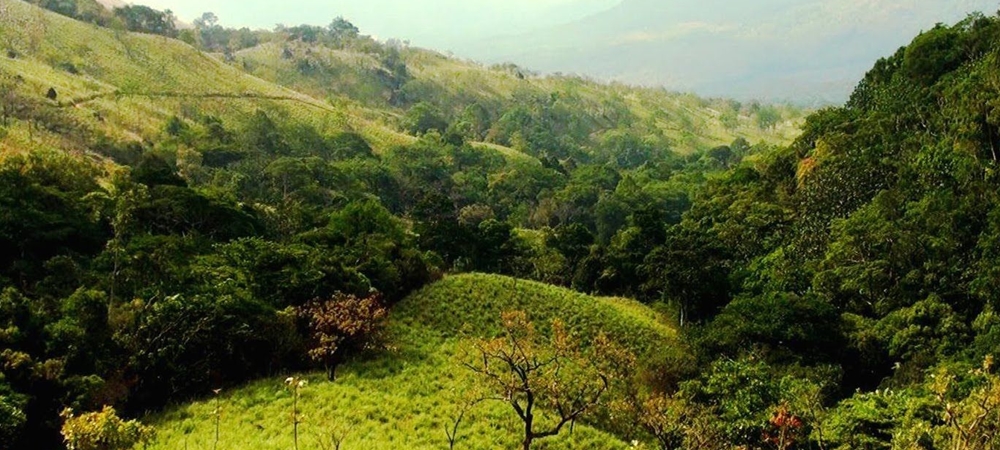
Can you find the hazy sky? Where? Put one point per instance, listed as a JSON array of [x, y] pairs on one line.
[[429, 23]]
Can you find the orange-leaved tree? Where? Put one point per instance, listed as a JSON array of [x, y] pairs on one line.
[[340, 325]]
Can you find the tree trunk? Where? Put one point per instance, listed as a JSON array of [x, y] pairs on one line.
[[528, 435], [331, 366]]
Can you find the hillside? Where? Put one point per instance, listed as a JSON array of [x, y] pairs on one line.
[[687, 122], [407, 396], [175, 221], [127, 85]]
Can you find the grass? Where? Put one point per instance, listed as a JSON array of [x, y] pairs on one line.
[[127, 85], [406, 396], [691, 123]]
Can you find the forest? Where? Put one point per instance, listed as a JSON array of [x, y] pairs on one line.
[[834, 288]]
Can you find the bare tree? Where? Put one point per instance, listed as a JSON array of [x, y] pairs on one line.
[[451, 430], [337, 435], [537, 378]]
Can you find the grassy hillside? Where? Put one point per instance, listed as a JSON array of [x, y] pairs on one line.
[[689, 123], [405, 397], [126, 85]]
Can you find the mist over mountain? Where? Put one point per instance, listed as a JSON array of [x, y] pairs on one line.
[[806, 51]]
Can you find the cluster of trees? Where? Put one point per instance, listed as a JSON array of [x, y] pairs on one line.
[[839, 292], [137, 18], [744, 402], [146, 289]]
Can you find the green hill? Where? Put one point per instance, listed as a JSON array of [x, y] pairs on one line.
[[687, 122], [165, 207], [127, 85], [406, 396]]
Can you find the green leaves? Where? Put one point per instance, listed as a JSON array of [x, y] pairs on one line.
[[103, 430]]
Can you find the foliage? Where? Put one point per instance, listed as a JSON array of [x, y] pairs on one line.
[[103, 430], [144, 19], [818, 285], [519, 371], [339, 325], [406, 393], [422, 118]]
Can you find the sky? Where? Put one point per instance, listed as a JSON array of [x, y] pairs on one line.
[[437, 24]]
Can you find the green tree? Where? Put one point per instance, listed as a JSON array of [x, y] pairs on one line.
[[422, 118], [144, 19], [12, 416], [103, 430], [342, 31]]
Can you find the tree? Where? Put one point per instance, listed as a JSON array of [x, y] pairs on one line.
[[144, 19], [67, 8], [348, 145], [103, 430], [423, 117], [342, 324], [785, 325], [208, 19], [213, 37], [528, 374], [677, 422], [974, 421], [767, 117], [12, 417], [342, 30], [153, 170]]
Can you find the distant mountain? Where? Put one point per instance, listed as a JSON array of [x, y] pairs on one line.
[[807, 51]]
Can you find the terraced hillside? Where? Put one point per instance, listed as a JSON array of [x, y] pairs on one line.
[[405, 397]]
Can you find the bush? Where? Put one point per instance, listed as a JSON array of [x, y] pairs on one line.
[[103, 430]]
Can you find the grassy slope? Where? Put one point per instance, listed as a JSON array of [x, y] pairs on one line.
[[129, 84], [404, 399], [690, 122]]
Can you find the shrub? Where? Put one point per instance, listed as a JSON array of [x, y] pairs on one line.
[[103, 430]]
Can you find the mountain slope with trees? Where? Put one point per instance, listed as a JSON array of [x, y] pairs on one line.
[[169, 229]]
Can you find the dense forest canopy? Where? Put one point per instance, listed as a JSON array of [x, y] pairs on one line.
[[839, 291]]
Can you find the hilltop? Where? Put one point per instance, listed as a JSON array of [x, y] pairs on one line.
[[407, 396]]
